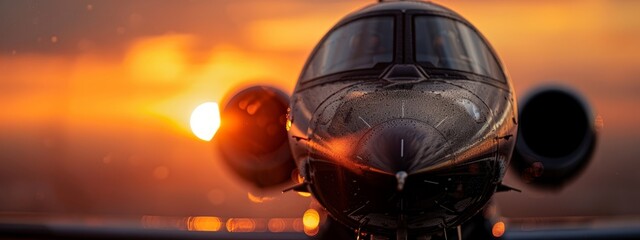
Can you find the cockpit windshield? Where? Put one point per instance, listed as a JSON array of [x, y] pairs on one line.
[[360, 44], [446, 43]]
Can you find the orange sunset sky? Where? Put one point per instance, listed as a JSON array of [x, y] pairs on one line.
[[95, 96]]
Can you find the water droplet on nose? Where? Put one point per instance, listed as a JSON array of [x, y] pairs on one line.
[[472, 109]]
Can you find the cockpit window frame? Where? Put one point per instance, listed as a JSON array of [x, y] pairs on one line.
[[410, 18], [396, 54]]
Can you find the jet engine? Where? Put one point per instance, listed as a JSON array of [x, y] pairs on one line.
[[556, 137], [252, 139]]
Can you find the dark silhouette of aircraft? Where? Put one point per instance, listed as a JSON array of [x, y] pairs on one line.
[[402, 125]]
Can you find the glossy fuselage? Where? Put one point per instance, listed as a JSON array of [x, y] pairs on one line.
[[421, 152]]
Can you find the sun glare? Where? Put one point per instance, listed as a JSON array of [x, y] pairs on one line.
[[158, 58], [205, 120]]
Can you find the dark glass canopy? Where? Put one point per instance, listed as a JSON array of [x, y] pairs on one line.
[[446, 43], [438, 43], [360, 44]]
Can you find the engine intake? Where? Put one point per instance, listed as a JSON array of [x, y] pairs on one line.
[[556, 137], [252, 138]]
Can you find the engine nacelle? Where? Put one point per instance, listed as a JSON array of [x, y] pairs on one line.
[[556, 137], [252, 138]]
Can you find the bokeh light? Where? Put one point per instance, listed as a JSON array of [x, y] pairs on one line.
[[276, 225], [241, 225], [204, 224], [498, 229], [311, 221]]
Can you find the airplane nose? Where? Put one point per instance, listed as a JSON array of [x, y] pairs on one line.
[[402, 145]]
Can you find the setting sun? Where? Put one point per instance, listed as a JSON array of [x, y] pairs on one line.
[[205, 120]]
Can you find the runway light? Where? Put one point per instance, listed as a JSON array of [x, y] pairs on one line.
[[311, 218], [311, 221], [205, 120], [498, 229], [204, 224], [241, 225]]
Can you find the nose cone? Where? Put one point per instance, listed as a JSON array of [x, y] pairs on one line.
[[402, 145], [423, 155]]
